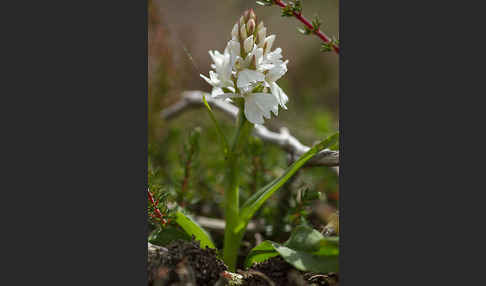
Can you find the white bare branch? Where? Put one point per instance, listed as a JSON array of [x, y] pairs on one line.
[[219, 224], [193, 99], [154, 250]]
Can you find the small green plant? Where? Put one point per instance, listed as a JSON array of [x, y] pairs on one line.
[[245, 74], [157, 208]]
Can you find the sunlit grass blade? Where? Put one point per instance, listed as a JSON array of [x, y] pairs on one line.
[[258, 199], [192, 228], [218, 128]]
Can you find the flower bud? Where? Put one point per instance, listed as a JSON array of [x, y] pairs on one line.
[[253, 62], [251, 26], [242, 20], [246, 15], [243, 34], [248, 44], [252, 15]]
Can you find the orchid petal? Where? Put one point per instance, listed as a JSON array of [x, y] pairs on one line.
[[276, 72], [248, 44], [247, 77], [259, 105], [279, 94]]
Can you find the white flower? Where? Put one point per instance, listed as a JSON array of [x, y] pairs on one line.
[[249, 69], [247, 78], [257, 105], [279, 95], [223, 65], [268, 43], [276, 72]]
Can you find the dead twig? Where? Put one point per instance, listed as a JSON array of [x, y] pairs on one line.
[[193, 99]]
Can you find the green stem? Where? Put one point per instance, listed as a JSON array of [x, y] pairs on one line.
[[232, 238]]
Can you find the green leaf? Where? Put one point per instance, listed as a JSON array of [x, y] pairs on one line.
[[297, 5], [260, 253], [304, 31], [306, 249], [307, 239], [326, 47], [316, 23], [164, 236], [287, 11], [335, 147], [218, 128], [256, 200], [306, 261], [304, 238], [192, 228]]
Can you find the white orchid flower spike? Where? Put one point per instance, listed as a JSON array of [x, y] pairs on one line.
[[248, 68]]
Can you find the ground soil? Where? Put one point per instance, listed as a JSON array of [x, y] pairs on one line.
[[276, 271], [183, 263]]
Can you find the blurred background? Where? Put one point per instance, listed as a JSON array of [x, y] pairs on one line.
[[184, 156]]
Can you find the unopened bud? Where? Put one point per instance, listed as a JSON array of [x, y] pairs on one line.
[[246, 15], [242, 20], [248, 44], [243, 34], [253, 62], [252, 15], [251, 26]]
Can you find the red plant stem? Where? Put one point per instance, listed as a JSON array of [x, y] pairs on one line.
[[306, 22], [156, 209]]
